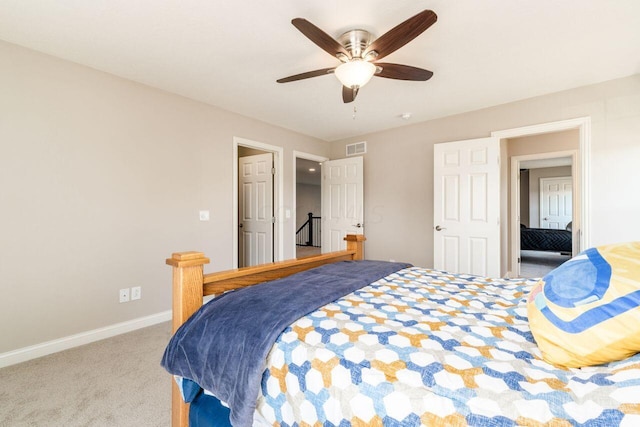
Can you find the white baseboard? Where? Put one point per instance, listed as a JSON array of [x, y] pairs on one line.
[[34, 351]]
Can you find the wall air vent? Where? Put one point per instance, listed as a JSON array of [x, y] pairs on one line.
[[357, 148]]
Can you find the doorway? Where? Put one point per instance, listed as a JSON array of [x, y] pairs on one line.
[[308, 207], [243, 148], [307, 180], [580, 175], [544, 205]]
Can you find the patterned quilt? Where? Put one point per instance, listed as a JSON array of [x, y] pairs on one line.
[[422, 347]]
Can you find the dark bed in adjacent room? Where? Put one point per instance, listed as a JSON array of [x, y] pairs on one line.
[[546, 239]]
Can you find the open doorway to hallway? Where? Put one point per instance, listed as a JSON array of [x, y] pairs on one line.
[[308, 207]]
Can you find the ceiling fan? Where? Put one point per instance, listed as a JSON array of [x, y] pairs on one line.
[[359, 53]]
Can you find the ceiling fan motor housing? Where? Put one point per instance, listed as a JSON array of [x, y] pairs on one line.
[[356, 41]]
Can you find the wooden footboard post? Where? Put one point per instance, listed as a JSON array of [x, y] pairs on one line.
[[355, 242], [187, 298]]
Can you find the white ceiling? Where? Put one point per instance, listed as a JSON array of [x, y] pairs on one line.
[[229, 53], [305, 174]]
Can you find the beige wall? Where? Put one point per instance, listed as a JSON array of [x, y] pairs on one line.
[[308, 199], [398, 200], [544, 143], [101, 179], [248, 151]]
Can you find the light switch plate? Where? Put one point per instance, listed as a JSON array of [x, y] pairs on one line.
[[204, 215]]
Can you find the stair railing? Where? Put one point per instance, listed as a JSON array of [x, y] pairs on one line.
[[309, 233]]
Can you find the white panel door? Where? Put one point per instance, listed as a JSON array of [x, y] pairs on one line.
[[255, 184], [342, 201], [467, 207], [556, 202]]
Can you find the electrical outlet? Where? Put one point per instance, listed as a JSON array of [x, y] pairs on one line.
[[204, 215], [136, 293], [124, 295]]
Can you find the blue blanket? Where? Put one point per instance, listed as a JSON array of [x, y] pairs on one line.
[[224, 345]]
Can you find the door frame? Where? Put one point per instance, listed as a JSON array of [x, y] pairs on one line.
[[278, 203], [581, 175], [306, 156]]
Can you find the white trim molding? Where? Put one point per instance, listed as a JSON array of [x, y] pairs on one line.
[[49, 347]]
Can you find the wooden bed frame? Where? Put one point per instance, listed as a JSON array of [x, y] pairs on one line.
[[190, 285]]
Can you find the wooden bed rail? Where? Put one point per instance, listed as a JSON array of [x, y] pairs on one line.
[[224, 281], [190, 284]]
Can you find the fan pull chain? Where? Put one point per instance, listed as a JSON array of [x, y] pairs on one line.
[[354, 113]]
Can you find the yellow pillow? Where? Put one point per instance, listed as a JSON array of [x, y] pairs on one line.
[[587, 311]]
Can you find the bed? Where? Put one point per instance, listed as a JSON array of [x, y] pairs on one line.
[[545, 239], [413, 347]]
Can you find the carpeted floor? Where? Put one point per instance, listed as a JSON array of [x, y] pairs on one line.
[[538, 263], [114, 382], [305, 251]]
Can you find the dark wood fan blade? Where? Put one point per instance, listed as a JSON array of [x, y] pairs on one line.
[[402, 72], [306, 75], [402, 34], [319, 37], [349, 94]]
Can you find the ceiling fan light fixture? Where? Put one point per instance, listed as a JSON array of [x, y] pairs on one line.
[[359, 49], [355, 73]]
